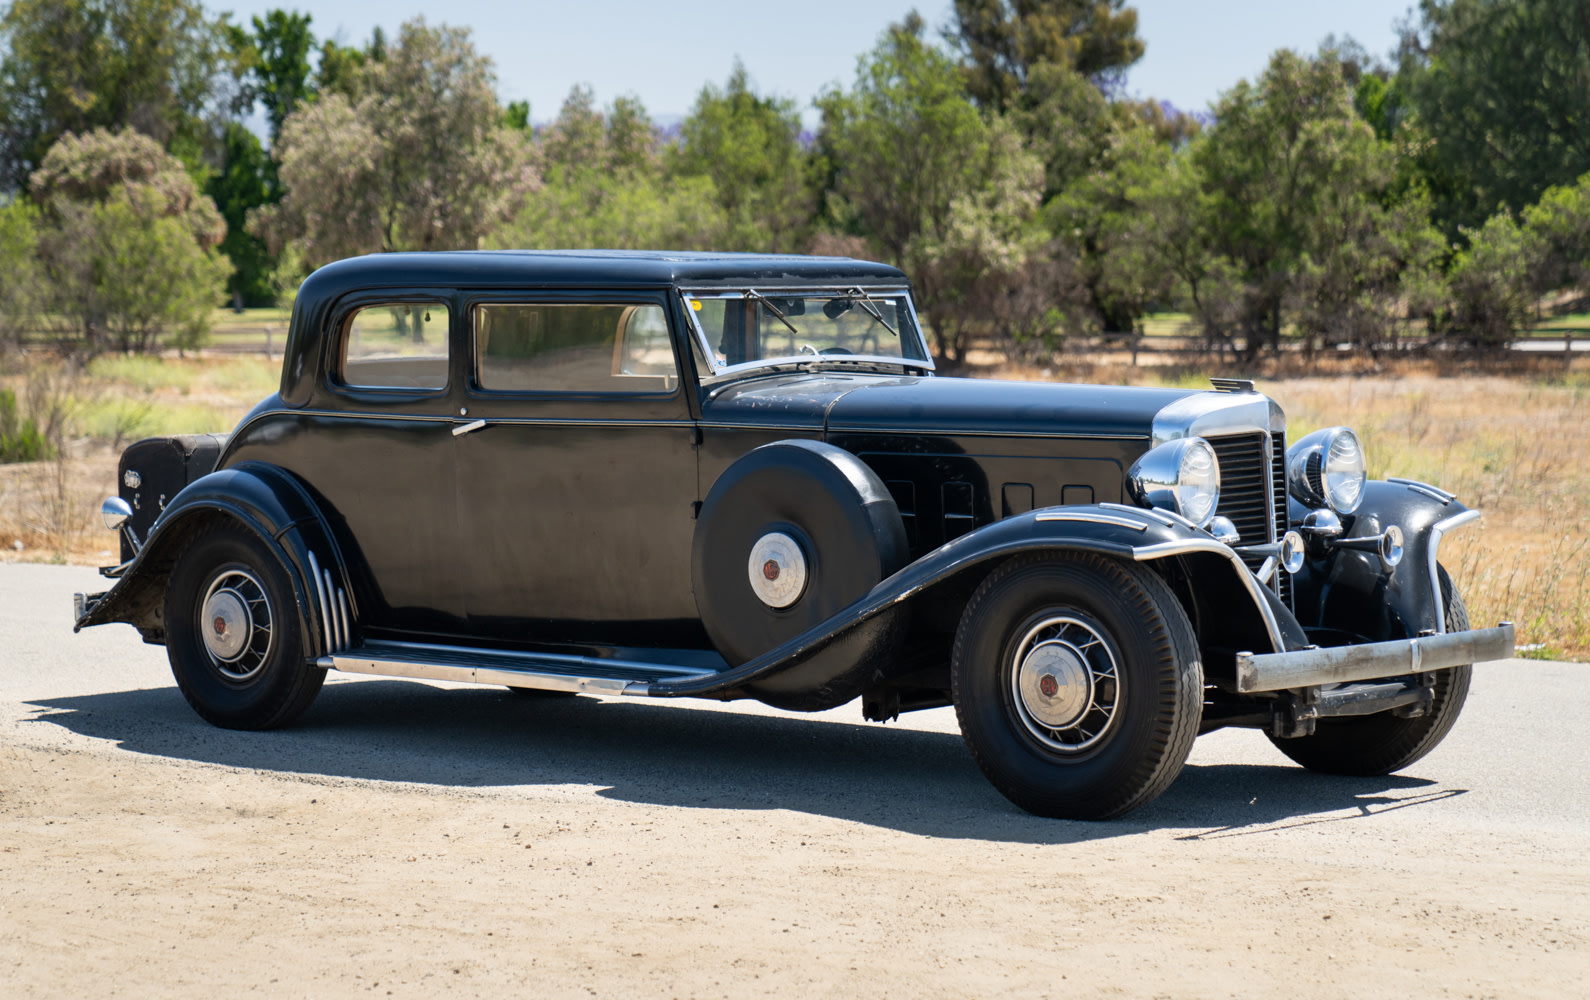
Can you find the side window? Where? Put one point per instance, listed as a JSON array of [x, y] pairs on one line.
[[397, 345], [557, 347]]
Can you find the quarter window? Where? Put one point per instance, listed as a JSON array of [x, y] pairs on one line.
[[396, 345], [564, 347]]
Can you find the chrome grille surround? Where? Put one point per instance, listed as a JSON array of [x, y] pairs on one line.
[[1248, 433]]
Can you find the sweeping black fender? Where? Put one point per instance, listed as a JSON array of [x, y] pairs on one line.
[[264, 500]]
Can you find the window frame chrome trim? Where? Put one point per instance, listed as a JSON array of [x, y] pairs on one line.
[[689, 292]]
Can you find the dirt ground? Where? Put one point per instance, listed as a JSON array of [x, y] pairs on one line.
[[415, 840]]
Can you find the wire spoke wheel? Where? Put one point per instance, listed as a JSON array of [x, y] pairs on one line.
[[1065, 683], [235, 625], [234, 632]]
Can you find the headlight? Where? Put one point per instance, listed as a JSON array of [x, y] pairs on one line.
[[1181, 475], [1327, 468]]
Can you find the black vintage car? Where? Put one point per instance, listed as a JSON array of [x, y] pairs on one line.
[[730, 476]]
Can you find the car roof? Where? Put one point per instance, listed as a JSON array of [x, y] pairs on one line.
[[484, 268]]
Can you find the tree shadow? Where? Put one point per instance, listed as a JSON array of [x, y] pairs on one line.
[[677, 755]]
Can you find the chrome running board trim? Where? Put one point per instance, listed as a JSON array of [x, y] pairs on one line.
[[539, 671]]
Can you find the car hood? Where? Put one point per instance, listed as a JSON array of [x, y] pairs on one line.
[[989, 406]]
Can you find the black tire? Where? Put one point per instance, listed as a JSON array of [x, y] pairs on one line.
[[254, 672], [1145, 719], [1369, 745]]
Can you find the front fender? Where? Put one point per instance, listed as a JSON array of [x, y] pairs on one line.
[[271, 504], [1350, 596], [1120, 532]]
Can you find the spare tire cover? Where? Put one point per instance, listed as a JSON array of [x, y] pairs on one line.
[[841, 519]]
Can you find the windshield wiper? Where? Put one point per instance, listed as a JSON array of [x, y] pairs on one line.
[[872, 310], [752, 293]]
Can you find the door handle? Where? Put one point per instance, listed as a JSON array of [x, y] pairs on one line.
[[473, 425]]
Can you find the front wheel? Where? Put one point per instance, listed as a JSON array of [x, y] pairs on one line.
[[1077, 684], [1376, 744], [233, 635]]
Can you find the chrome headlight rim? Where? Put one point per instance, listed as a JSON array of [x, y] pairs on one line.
[[1327, 469], [1181, 476]]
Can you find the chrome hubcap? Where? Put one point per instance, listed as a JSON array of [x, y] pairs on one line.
[[1065, 684], [777, 570], [235, 625]]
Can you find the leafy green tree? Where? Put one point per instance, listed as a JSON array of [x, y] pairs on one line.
[[604, 185], [128, 242], [19, 270], [1491, 294], [75, 65], [274, 58], [914, 163], [1003, 41], [245, 182], [1502, 88], [420, 162], [750, 148], [1560, 227], [1287, 152]]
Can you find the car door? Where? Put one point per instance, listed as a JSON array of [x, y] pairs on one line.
[[576, 472]]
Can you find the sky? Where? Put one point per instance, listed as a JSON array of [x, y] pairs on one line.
[[665, 53]]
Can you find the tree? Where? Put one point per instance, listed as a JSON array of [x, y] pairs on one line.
[[913, 161], [1559, 225], [1502, 87], [75, 65], [420, 162], [1002, 41], [128, 241], [275, 59], [750, 147], [245, 182], [1288, 171], [19, 270], [604, 186], [1491, 297]]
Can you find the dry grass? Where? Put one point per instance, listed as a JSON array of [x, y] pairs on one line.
[[1516, 446]]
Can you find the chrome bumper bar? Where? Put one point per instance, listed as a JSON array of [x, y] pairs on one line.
[[1303, 668]]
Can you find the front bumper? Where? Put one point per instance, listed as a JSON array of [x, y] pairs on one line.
[[1302, 668]]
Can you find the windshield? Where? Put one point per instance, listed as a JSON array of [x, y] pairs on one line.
[[750, 327]]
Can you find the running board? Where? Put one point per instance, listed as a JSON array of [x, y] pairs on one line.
[[540, 671]]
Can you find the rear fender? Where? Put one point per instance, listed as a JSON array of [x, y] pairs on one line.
[[1109, 530], [1350, 595], [266, 501]]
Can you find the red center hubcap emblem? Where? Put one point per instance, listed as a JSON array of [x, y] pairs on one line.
[[220, 625], [1048, 685], [770, 569]]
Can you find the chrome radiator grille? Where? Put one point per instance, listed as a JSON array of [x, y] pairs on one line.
[[1253, 493], [1244, 486], [1283, 579]]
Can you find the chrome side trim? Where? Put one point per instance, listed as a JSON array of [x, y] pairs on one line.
[[964, 432], [1341, 664], [1435, 492], [1090, 518], [326, 635], [1187, 546], [541, 671], [1438, 529], [345, 618]]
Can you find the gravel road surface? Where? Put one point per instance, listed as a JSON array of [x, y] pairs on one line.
[[413, 840]]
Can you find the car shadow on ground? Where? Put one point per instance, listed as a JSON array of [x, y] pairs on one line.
[[675, 755]]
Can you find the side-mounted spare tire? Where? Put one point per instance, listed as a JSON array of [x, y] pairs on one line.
[[789, 535]]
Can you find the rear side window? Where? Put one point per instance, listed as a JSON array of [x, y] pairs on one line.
[[568, 347], [398, 345]]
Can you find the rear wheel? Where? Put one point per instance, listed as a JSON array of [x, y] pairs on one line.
[[233, 635], [1077, 684], [1384, 742]]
